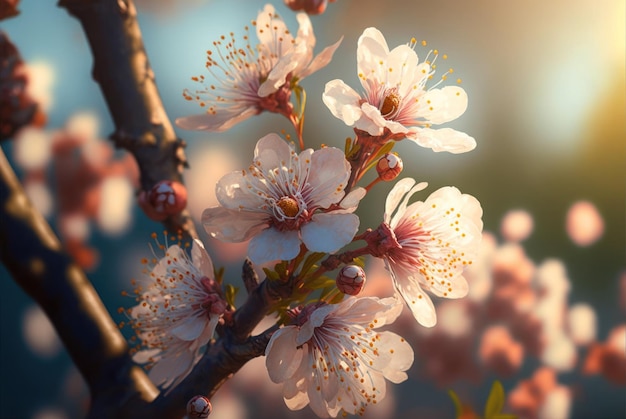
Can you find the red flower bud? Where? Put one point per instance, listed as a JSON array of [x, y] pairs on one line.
[[199, 407], [389, 167], [312, 7], [165, 199], [351, 279]]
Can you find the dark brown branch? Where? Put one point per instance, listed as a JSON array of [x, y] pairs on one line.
[[33, 255], [122, 70]]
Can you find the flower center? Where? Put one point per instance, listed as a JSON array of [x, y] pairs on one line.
[[289, 206], [390, 105]]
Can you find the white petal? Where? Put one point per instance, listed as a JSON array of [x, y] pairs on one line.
[[233, 226], [171, 369], [272, 244], [351, 201], [282, 354], [371, 50], [222, 120], [342, 101], [403, 188], [329, 232], [328, 176], [278, 75], [420, 304], [190, 329], [372, 120], [320, 61], [201, 259], [402, 60], [443, 139], [146, 355], [268, 26], [232, 192], [272, 152], [401, 359], [443, 105]]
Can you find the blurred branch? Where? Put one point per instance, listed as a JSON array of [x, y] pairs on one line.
[[122, 70], [32, 254]]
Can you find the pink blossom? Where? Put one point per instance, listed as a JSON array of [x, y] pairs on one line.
[[284, 199], [249, 80], [437, 240], [176, 314], [395, 100], [334, 360]]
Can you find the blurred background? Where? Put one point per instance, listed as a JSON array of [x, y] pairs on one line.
[[547, 107]]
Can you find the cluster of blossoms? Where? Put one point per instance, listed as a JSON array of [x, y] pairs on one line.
[[297, 210]]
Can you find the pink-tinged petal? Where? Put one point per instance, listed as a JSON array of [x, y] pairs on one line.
[[315, 320], [329, 232], [222, 120], [443, 139], [351, 201], [190, 329], [417, 300], [321, 60], [146, 355], [400, 63], [360, 311], [272, 152], [329, 174], [233, 226], [201, 259], [282, 356], [232, 192], [268, 26], [371, 50], [278, 75], [171, 370], [342, 101], [401, 359], [271, 244], [399, 190], [443, 105], [402, 208]]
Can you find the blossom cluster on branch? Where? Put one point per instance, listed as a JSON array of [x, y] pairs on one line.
[[297, 208]]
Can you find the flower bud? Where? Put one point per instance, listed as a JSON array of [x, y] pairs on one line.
[[312, 7], [389, 167], [351, 279], [166, 198], [199, 407]]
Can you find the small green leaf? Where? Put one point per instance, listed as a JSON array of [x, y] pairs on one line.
[[495, 402], [457, 403], [310, 261], [230, 294]]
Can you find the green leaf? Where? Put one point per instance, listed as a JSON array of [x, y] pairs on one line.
[[495, 402], [230, 294], [457, 403], [310, 261]]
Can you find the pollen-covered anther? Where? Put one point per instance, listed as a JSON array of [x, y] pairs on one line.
[[289, 206]]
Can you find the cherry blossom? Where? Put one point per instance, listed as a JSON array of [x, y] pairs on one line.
[[396, 102], [177, 313], [334, 360], [247, 80], [283, 199], [437, 239]]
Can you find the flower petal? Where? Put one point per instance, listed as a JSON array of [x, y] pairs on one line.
[[190, 329], [329, 232], [372, 50], [201, 259], [342, 101], [271, 244], [233, 226], [443, 105], [320, 61], [443, 139], [328, 176], [282, 355], [222, 120], [417, 300]]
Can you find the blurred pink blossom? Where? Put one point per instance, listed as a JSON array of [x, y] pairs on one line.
[[584, 224]]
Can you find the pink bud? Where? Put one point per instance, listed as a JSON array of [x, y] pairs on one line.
[[199, 407], [166, 198], [389, 167], [312, 7], [351, 279]]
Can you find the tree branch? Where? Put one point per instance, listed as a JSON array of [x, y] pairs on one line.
[[33, 256], [122, 70]]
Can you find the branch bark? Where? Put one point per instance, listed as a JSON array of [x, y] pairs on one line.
[[34, 257], [122, 70]]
